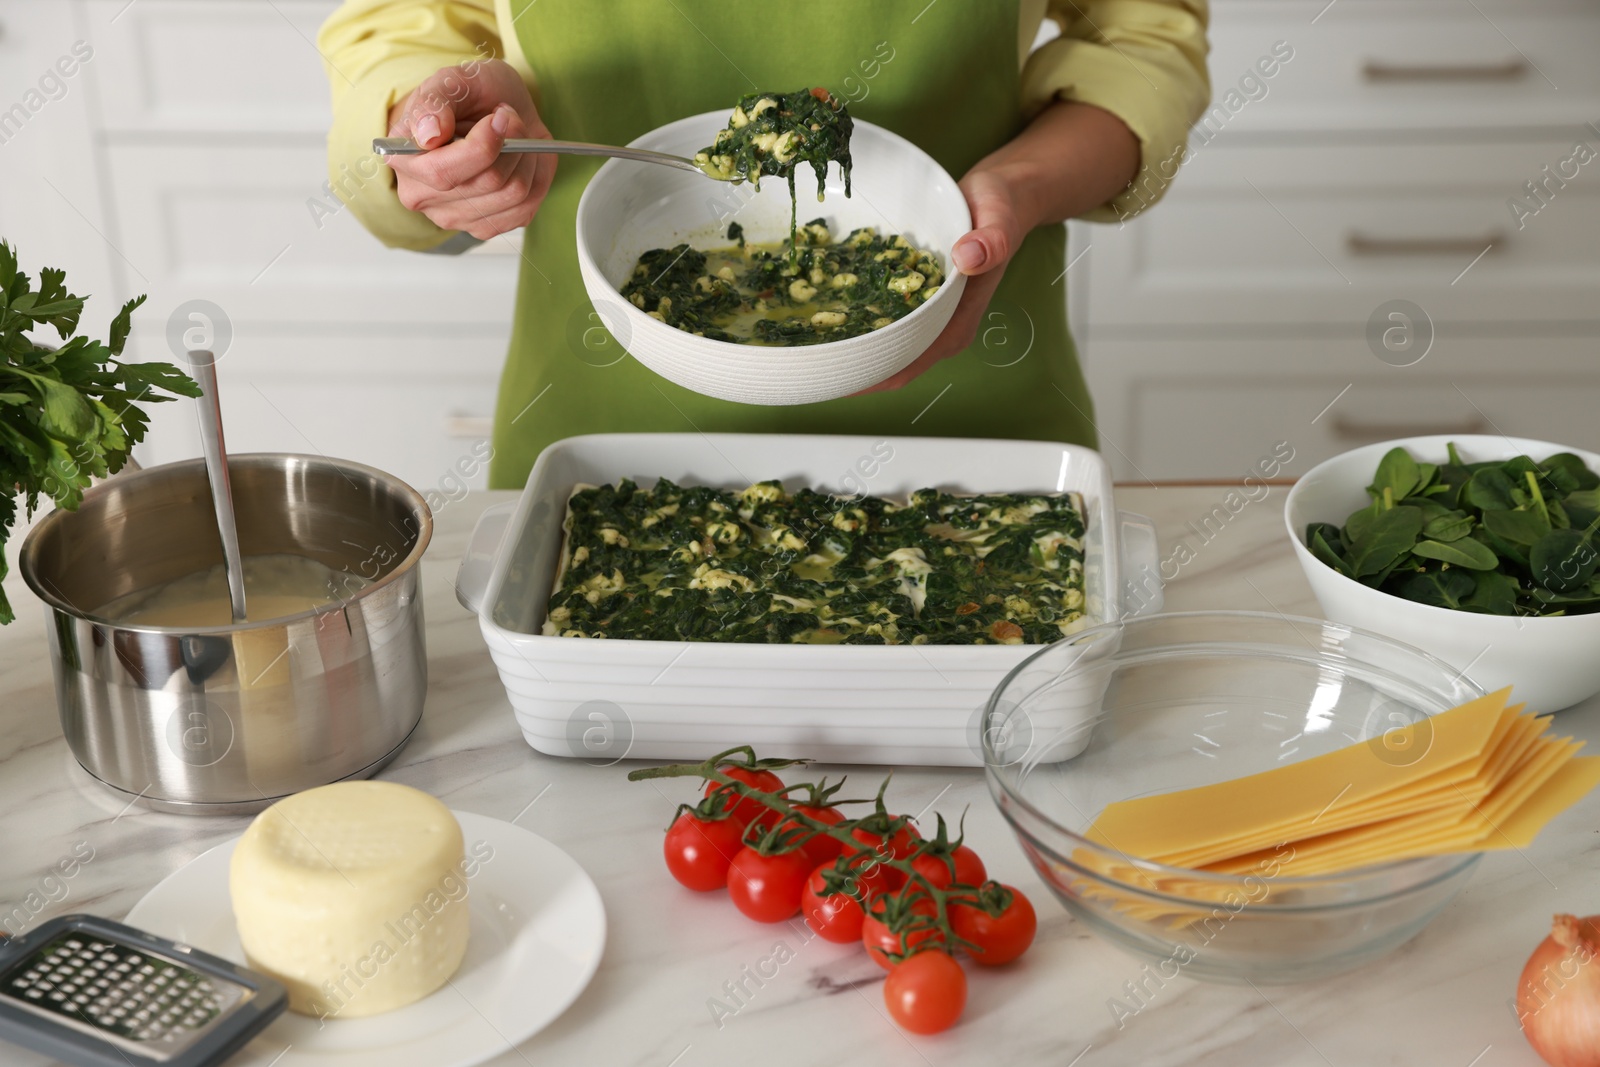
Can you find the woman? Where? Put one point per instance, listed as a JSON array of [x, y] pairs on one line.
[[1089, 126]]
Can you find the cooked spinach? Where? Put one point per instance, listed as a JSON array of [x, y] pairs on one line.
[[773, 133], [1506, 537], [788, 293], [692, 563]]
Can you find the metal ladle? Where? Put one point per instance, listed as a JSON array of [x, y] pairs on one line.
[[205, 375]]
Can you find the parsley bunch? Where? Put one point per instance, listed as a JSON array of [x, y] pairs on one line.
[[67, 414]]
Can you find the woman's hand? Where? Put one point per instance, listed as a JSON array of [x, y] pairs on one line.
[[982, 255], [469, 185], [1071, 159]]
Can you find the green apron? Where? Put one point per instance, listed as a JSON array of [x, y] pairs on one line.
[[942, 74]]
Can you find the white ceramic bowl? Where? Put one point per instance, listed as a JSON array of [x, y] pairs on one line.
[[630, 208], [1550, 661]]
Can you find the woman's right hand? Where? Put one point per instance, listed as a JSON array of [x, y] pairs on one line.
[[468, 185]]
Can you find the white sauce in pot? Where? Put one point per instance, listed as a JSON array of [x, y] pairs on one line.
[[275, 586]]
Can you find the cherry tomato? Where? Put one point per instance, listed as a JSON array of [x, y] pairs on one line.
[[745, 810], [878, 939], [902, 844], [698, 852], [1000, 939], [870, 879], [768, 888], [969, 868], [836, 917], [822, 848], [926, 993]]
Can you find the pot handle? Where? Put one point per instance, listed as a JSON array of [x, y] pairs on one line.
[[477, 561], [1140, 557]]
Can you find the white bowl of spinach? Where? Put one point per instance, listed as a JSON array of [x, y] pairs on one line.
[[1483, 550], [632, 215]]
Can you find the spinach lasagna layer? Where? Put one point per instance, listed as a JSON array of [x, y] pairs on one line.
[[693, 563]]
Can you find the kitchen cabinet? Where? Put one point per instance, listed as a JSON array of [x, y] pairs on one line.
[[198, 132], [1374, 163], [1238, 397], [1378, 162]]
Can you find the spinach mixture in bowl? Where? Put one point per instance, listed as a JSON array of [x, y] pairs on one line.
[[773, 133], [801, 292], [807, 290]]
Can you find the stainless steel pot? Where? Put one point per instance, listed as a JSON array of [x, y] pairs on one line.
[[228, 719]]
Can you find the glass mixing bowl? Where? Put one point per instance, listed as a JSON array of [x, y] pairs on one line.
[[1187, 699]]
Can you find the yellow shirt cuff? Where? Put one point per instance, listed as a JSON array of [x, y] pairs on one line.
[[1158, 88]]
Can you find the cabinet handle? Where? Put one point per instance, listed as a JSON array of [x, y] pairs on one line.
[[1361, 244], [1377, 70], [1380, 431]]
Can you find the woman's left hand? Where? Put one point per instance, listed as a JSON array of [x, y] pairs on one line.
[[1071, 158], [982, 254]]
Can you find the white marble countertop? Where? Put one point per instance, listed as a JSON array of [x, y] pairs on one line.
[[1442, 1000]]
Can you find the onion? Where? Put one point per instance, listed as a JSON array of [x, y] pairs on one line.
[[1558, 995]]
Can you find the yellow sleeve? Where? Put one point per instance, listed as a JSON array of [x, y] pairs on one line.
[[1142, 60], [375, 52]]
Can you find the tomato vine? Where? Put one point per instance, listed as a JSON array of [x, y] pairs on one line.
[[901, 905]]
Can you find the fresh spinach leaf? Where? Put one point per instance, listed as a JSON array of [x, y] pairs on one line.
[[1585, 479], [1489, 489], [1518, 527], [1454, 478], [1493, 594], [1584, 498], [1564, 560], [1509, 551], [1398, 474], [1443, 589], [1325, 550], [1387, 538], [1463, 553], [1448, 526], [1356, 526]]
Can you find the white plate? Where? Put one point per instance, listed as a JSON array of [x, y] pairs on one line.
[[538, 929]]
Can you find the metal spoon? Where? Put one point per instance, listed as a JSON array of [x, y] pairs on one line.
[[205, 375], [405, 146]]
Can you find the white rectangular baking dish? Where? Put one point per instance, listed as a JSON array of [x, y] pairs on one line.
[[603, 700]]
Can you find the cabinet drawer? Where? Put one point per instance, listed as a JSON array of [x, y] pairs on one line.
[[408, 405], [235, 226], [1420, 64], [1326, 233], [1210, 408], [210, 65]]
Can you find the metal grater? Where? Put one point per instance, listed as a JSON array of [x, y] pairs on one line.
[[98, 993]]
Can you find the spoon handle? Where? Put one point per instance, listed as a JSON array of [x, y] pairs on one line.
[[205, 374], [405, 146]]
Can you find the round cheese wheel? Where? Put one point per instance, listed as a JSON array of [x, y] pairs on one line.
[[354, 896]]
